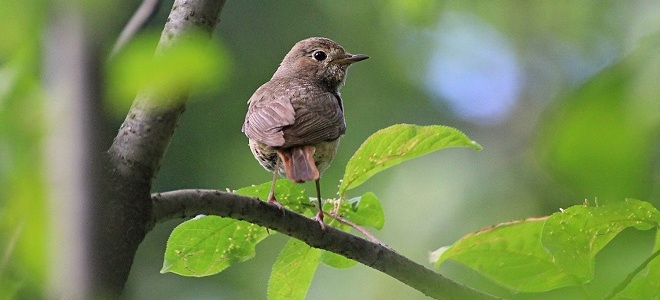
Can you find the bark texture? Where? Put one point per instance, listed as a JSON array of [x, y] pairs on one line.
[[124, 218]]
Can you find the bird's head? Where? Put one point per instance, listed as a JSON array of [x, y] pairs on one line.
[[318, 59]]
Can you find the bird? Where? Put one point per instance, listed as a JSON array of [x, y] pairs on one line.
[[294, 121]]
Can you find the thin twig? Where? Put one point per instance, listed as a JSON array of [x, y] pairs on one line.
[[141, 16], [357, 227], [631, 276], [11, 246]]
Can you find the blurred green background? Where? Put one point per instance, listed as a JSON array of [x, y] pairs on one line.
[[564, 96]]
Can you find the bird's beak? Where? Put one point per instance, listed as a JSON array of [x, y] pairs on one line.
[[351, 58]]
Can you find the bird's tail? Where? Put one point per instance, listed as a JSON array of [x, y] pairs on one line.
[[299, 163]]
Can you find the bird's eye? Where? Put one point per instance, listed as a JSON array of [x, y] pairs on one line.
[[319, 55]]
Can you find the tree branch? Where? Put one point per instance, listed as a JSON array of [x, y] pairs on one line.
[[146, 132], [123, 218], [189, 203], [145, 12]]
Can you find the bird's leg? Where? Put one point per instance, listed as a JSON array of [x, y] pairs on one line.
[[271, 195], [319, 215]]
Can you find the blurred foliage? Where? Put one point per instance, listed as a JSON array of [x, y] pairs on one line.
[[23, 216], [604, 142], [584, 124], [173, 71]]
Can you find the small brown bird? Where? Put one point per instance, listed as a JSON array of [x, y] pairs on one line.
[[294, 121]]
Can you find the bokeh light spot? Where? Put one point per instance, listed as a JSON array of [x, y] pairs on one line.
[[474, 69]]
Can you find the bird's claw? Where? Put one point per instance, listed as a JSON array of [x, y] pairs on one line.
[[319, 218], [273, 201]]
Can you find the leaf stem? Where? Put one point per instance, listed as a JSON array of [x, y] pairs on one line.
[[357, 227]]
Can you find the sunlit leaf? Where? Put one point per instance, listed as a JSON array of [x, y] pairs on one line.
[[207, 245], [293, 271], [289, 194], [337, 261], [574, 236], [542, 254], [510, 254], [396, 144], [365, 211]]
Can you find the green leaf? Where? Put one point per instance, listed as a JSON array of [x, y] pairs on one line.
[[647, 284], [536, 255], [396, 144], [364, 211], [293, 271], [574, 236], [510, 254], [207, 245], [337, 261], [289, 194]]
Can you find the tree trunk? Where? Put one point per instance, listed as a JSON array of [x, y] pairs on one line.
[[122, 217]]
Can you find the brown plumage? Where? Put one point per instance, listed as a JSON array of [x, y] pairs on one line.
[[294, 121]]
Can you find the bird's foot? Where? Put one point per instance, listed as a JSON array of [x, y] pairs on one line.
[[319, 218], [273, 201]]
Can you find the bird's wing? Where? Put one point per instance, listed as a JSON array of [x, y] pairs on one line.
[[269, 111], [289, 113], [319, 117]]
